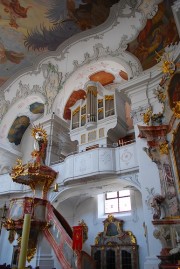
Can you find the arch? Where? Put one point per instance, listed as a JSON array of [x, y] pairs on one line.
[[22, 113], [126, 64]]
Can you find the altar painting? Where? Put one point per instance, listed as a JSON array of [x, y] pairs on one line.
[[176, 150]]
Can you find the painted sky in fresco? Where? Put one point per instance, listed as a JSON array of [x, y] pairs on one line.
[[29, 28]]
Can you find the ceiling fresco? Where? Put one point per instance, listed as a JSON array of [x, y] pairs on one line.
[[30, 28], [159, 32], [33, 27]]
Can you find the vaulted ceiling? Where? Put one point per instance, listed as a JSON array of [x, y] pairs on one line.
[[33, 28], [29, 31]]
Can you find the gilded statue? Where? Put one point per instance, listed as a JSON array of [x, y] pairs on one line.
[[40, 144]]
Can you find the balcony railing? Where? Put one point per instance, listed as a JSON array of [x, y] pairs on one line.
[[99, 162]]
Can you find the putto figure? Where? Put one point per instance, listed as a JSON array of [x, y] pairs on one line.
[[40, 144]]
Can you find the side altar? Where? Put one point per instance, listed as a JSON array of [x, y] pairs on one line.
[[115, 248]]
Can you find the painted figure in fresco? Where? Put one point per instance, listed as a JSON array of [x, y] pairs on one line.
[[9, 55], [159, 32], [15, 10], [68, 17]]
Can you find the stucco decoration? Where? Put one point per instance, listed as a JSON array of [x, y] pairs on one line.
[[130, 62], [51, 85], [22, 92], [4, 105], [156, 203], [163, 234], [136, 114], [48, 91]]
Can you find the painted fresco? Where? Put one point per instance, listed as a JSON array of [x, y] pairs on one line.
[[29, 28], [174, 90], [17, 129], [176, 150], [37, 108], [159, 32], [21, 123], [103, 77]]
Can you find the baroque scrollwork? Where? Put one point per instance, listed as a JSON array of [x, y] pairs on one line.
[[4, 105], [99, 51], [51, 85]]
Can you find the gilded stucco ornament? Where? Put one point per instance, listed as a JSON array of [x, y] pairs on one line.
[[147, 116], [168, 66], [85, 230], [159, 93], [164, 148], [176, 109], [114, 234], [36, 173], [31, 251], [150, 118]]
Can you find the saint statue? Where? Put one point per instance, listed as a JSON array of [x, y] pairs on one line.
[[40, 144]]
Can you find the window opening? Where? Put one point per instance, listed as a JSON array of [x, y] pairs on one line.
[[118, 201]]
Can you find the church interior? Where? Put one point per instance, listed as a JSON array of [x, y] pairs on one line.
[[89, 134]]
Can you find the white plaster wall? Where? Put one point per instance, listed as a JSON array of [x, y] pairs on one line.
[[27, 144], [6, 249], [45, 254], [87, 209], [66, 209], [149, 178]]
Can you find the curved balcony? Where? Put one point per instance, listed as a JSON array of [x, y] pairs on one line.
[[96, 163], [92, 164]]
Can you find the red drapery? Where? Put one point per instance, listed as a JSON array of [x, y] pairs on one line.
[[77, 237]]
